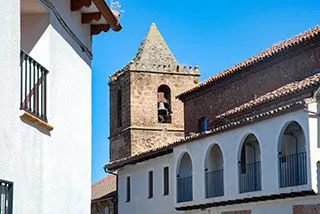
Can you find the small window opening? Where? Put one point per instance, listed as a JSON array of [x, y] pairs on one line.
[[203, 124], [166, 180], [164, 104], [150, 184], [128, 190]]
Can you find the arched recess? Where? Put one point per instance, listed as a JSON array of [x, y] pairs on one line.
[[214, 184], [292, 156], [250, 165], [184, 179], [164, 104]]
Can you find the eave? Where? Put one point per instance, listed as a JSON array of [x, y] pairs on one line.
[[98, 14]]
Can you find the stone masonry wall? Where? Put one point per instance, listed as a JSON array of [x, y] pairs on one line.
[[144, 109], [140, 113], [143, 140], [273, 76], [119, 139]]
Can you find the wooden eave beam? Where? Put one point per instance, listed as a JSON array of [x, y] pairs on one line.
[[87, 18], [107, 14], [76, 5], [97, 29]]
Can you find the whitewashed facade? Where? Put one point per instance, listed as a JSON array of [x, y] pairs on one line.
[[269, 135], [46, 162]]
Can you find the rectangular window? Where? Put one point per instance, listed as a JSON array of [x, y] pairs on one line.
[[128, 190], [6, 196], [166, 180], [150, 184], [203, 124]]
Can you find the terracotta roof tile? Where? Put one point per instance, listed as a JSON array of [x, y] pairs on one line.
[[280, 92], [274, 49], [103, 187], [291, 88]]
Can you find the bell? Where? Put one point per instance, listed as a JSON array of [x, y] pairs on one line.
[[161, 107]]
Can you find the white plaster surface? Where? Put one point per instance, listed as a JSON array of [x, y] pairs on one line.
[[51, 174], [267, 133], [138, 173]]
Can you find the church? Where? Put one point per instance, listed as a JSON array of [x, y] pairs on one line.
[[244, 141]]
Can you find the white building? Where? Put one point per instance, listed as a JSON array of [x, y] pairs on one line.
[[260, 156], [45, 78]]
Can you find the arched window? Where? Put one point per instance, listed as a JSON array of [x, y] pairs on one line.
[[250, 165], [203, 124], [214, 172], [164, 104], [292, 156], [184, 179]]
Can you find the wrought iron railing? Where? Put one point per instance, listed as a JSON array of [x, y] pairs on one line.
[[33, 87], [250, 177], [214, 183], [293, 169], [184, 189]]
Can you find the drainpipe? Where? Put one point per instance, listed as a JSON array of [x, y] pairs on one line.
[[117, 185]]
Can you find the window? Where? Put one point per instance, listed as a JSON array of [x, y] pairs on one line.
[[166, 180], [203, 124], [214, 184], [164, 104], [6, 193], [150, 184], [250, 165], [292, 156], [184, 179], [119, 108], [128, 190]]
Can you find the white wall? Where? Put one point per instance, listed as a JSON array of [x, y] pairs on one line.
[[267, 133], [140, 204], [51, 174]]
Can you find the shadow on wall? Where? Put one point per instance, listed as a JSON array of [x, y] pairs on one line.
[[35, 20], [33, 27]]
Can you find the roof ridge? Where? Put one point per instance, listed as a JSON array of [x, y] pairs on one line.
[[274, 49]]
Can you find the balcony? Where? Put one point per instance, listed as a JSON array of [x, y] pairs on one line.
[[184, 189], [250, 177], [293, 169], [33, 87], [214, 183]]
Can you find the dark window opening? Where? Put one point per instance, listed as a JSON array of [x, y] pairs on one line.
[[243, 161], [166, 180], [6, 197], [119, 108], [164, 104], [203, 124], [150, 184], [128, 190]]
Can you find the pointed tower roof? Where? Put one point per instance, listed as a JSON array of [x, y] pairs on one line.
[[154, 55], [154, 50]]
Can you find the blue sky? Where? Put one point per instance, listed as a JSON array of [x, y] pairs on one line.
[[212, 34]]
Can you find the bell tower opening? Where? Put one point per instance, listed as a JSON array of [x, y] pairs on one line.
[[164, 104], [144, 113]]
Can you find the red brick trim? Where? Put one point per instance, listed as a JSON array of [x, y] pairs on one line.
[[238, 212], [306, 209]]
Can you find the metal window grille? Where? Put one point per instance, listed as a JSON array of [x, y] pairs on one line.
[[6, 196]]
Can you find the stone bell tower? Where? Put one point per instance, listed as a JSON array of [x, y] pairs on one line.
[[144, 113]]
